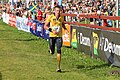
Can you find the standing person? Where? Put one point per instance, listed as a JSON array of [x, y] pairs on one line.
[[56, 23], [39, 14], [47, 12], [32, 16], [19, 3]]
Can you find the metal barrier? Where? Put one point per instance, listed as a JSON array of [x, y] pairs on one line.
[[83, 20]]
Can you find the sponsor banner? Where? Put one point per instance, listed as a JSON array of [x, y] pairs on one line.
[[84, 39], [66, 36], [74, 37], [36, 28], [109, 47], [45, 34], [5, 17], [18, 22], [24, 26], [21, 24], [12, 20], [95, 41]]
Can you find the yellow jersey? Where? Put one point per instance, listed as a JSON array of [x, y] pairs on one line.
[[55, 24]]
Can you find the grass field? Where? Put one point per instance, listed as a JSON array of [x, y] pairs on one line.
[[25, 57]]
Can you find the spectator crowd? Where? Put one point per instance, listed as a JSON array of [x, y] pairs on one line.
[[40, 11]]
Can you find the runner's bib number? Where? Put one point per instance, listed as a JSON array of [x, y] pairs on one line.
[[56, 28]]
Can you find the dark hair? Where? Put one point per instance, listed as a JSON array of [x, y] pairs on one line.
[[57, 7], [31, 12]]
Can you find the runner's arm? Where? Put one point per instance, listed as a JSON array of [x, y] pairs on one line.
[[63, 25]]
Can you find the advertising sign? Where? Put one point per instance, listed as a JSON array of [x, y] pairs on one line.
[[74, 37], [37, 28], [5, 17], [21, 24], [12, 20], [24, 26], [66, 35], [84, 39], [109, 47], [18, 22], [45, 34], [95, 41]]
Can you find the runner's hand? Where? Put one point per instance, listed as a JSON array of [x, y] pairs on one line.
[[55, 32]]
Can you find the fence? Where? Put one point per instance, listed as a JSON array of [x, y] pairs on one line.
[[93, 40], [88, 16]]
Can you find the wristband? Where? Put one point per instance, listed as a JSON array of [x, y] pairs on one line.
[[50, 29]]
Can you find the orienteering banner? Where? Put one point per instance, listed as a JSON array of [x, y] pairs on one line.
[[66, 36], [109, 47], [12, 20], [74, 37], [21, 24], [45, 34], [84, 39], [36, 28], [5, 17], [95, 41]]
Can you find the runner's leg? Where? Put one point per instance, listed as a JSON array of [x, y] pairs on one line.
[[59, 45], [52, 44]]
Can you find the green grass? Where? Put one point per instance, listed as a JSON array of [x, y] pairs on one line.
[[25, 57]]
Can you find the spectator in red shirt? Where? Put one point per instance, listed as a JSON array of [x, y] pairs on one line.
[[39, 14]]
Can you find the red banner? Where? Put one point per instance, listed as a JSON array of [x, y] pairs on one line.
[[12, 20]]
